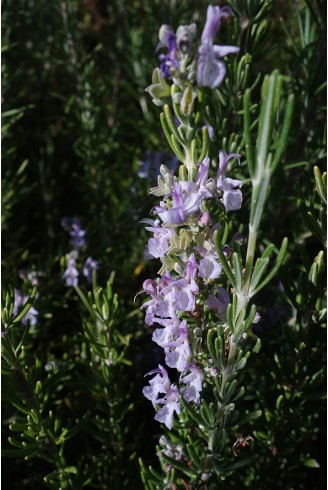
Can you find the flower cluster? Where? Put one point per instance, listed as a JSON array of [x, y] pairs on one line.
[[187, 65], [182, 238], [78, 242]]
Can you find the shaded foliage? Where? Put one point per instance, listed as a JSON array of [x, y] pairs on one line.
[[76, 121]]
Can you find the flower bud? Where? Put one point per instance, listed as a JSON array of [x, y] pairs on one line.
[[164, 34], [239, 238], [205, 218], [226, 250], [184, 37], [187, 101]]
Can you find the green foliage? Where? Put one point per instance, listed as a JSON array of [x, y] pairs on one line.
[[37, 392], [76, 122]]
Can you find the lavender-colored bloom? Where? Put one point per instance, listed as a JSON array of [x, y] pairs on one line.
[[202, 174], [209, 268], [210, 70], [171, 405], [213, 19], [229, 188], [159, 384], [71, 273], [168, 62], [181, 293], [160, 304], [77, 234], [31, 315], [163, 336], [190, 271], [158, 245], [178, 352], [210, 130], [175, 215], [187, 198], [171, 295], [89, 265], [194, 380], [193, 195], [205, 219]]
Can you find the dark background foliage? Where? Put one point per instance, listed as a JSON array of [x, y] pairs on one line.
[[76, 121]]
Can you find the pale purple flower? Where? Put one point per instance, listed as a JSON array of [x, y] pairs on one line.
[[187, 197], [171, 295], [160, 384], [191, 268], [210, 130], [89, 265], [205, 219], [157, 246], [160, 242], [168, 62], [213, 19], [181, 293], [202, 174], [194, 380], [210, 69], [71, 273], [162, 336], [192, 196], [160, 305], [149, 286], [77, 234], [174, 215], [171, 405], [178, 351], [228, 188], [31, 315], [209, 268]]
